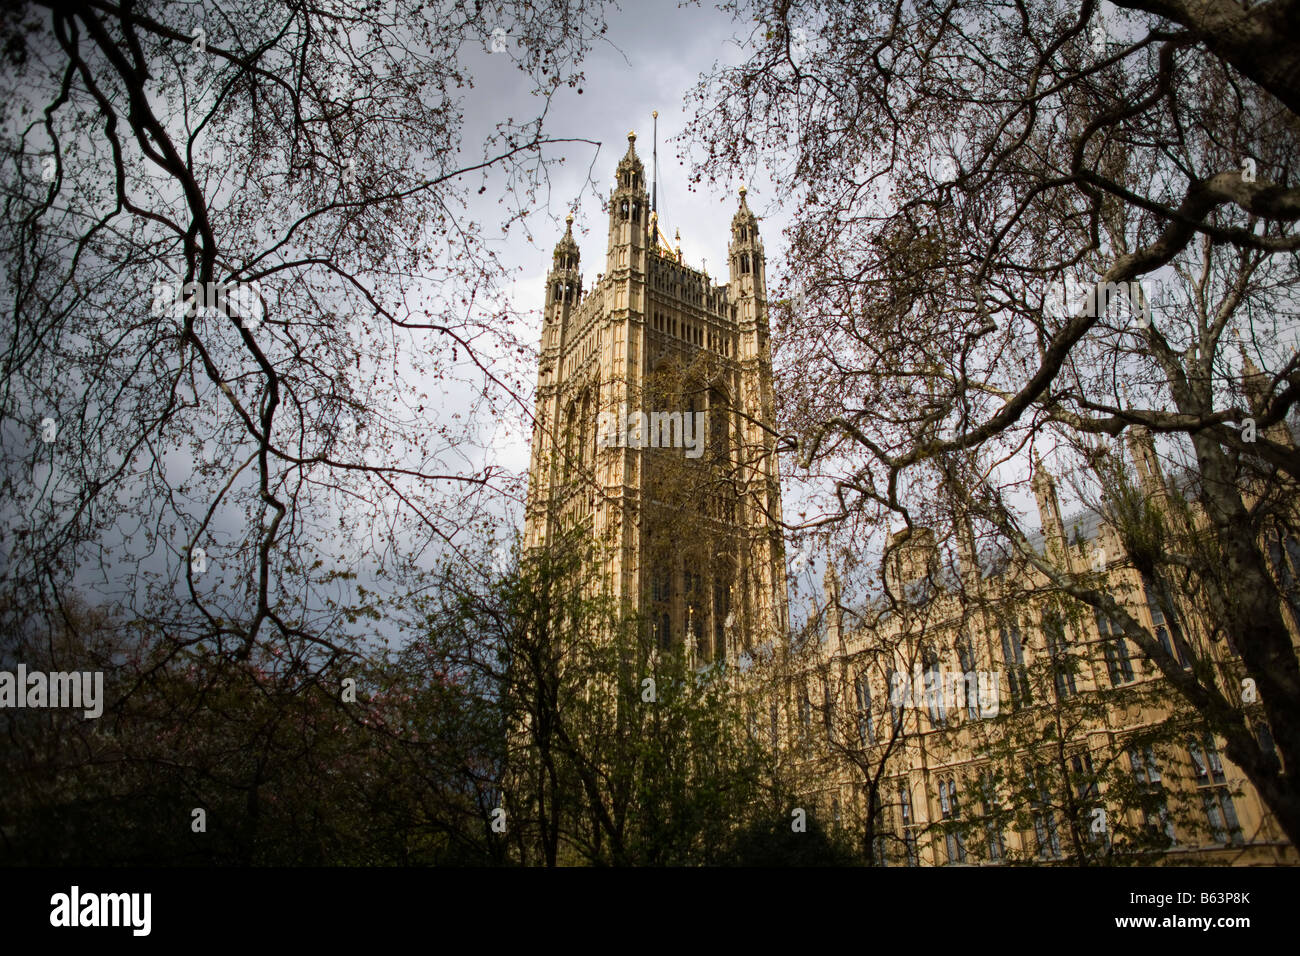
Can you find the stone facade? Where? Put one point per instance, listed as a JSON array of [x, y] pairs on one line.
[[689, 523]]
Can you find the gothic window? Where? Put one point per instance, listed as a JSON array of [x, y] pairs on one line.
[[950, 811], [659, 584], [1086, 791], [1174, 646], [866, 731], [636, 212], [909, 825], [828, 709], [880, 836], [992, 829], [1047, 840], [744, 263], [570, 437], [1062, 669], [623, 210], [1013, 653], [966, 657], [588, 432], [1211, 783], [719, 431], [1288, 573], [721, 611], [1119, 666], [1146, 774], [933, 687], [663, 631]]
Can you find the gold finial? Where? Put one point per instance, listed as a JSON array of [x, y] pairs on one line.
[[631, 136], [569, 219], [743, 190], [655, 114]]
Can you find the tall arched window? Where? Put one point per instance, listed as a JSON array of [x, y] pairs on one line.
[[570, 439], [588, 448], [948, 807], [722, 613], [866, 730], [719, 426], [992, 813]]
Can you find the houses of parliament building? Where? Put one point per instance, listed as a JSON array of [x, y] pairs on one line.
[[983, 719]]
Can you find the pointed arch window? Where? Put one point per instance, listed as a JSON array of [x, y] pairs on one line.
[[588, 447], [719, 430], [1013, 654], [956, 845], [1216, 798], [1047, 840], [570, 437], [866, 730], [1062, 667], [909, 825], [664, 628], [723, 616], [1119, 666], [992, 817], [966, 657]]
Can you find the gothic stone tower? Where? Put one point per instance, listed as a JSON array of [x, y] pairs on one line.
[[654, 429]]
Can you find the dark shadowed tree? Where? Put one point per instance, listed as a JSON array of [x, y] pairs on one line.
[[1034, 226]]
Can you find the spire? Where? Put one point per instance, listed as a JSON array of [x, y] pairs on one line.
[[1049, 509], [744, 215], [564, 283], [629, 212], [1142, 449], [566, 253], [630, 165], [654, 166], [690, 637], [1253, 380], [831, 585], [746, 252]]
